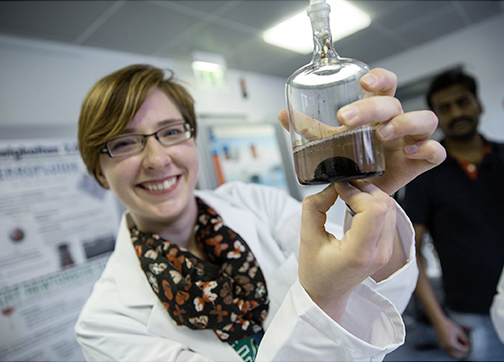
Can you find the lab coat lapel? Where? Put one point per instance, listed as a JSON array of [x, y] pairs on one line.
[[132, 284]]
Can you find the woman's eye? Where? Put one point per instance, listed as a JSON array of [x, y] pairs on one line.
[[172, 132], [123, 143]]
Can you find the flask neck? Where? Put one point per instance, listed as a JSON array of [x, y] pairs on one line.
[[323, 47], [318, 11]]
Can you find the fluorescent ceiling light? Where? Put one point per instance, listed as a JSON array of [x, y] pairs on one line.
[[207, 67], [207, 61], [296, 34]]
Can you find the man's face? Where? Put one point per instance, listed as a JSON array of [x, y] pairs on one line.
[[458, 111]]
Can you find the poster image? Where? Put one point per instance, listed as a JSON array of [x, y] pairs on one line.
[[249, 153], [57, 229]]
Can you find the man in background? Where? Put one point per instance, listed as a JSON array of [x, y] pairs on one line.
[[460, 204]]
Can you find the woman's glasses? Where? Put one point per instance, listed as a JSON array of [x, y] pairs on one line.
[[134, 143]]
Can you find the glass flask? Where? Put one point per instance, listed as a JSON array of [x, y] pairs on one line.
[[324, 150]]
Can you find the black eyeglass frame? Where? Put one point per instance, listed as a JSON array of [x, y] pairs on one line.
[[187, 128]]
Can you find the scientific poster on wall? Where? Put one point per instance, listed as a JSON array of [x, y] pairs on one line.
[[57, 229]]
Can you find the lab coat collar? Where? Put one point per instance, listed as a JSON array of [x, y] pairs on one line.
[[132, 284]]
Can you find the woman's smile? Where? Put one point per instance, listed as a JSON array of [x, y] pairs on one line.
[[160, 186]]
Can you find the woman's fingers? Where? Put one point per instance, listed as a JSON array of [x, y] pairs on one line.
[[371, 236], [411, 131], [308, 127], [416, 126], [430, 151], [283, 118], [414, 130], [379, 81], [371, 206], [314, 216], [369, 110]]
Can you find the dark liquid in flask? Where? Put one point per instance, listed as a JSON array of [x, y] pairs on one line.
[[345, 156]]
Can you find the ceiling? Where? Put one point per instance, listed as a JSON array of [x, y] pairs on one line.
[[173, 29]]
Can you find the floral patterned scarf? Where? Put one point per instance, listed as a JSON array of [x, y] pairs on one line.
[[227, 294]]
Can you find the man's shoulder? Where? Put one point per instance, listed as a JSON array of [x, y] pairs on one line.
[[496, 148], [498, 145]]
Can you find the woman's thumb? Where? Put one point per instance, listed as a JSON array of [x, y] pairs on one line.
[[315, 208]]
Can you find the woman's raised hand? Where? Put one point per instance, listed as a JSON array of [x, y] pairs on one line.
[[329, 269]]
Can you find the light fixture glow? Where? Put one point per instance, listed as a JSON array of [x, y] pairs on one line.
[[207, 67], [295, 33]]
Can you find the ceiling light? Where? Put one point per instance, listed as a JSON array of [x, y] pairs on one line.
[[206, 66], [209, 68], [295, 33], [208, 61]]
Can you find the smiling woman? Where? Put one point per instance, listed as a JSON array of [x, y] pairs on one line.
[[114, 100], [155, 181], [223, 263]]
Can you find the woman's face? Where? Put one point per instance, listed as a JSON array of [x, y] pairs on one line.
[[156, 184]]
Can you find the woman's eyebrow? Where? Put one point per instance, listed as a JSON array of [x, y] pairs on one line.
[[160, 124], [167, 122]]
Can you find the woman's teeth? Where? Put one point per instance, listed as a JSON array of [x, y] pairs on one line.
[[161, 186]]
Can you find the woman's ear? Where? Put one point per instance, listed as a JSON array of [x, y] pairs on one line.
[[100, 177]]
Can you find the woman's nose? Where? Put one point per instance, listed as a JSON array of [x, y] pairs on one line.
[[155, 154]]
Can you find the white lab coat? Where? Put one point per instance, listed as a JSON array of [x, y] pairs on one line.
[[124, 320], [497, 308]]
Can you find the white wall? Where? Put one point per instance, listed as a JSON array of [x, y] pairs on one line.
[[480, 49], [45, 82]]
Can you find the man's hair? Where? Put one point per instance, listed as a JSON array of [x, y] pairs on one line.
[[449, 78], [115, 99]]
